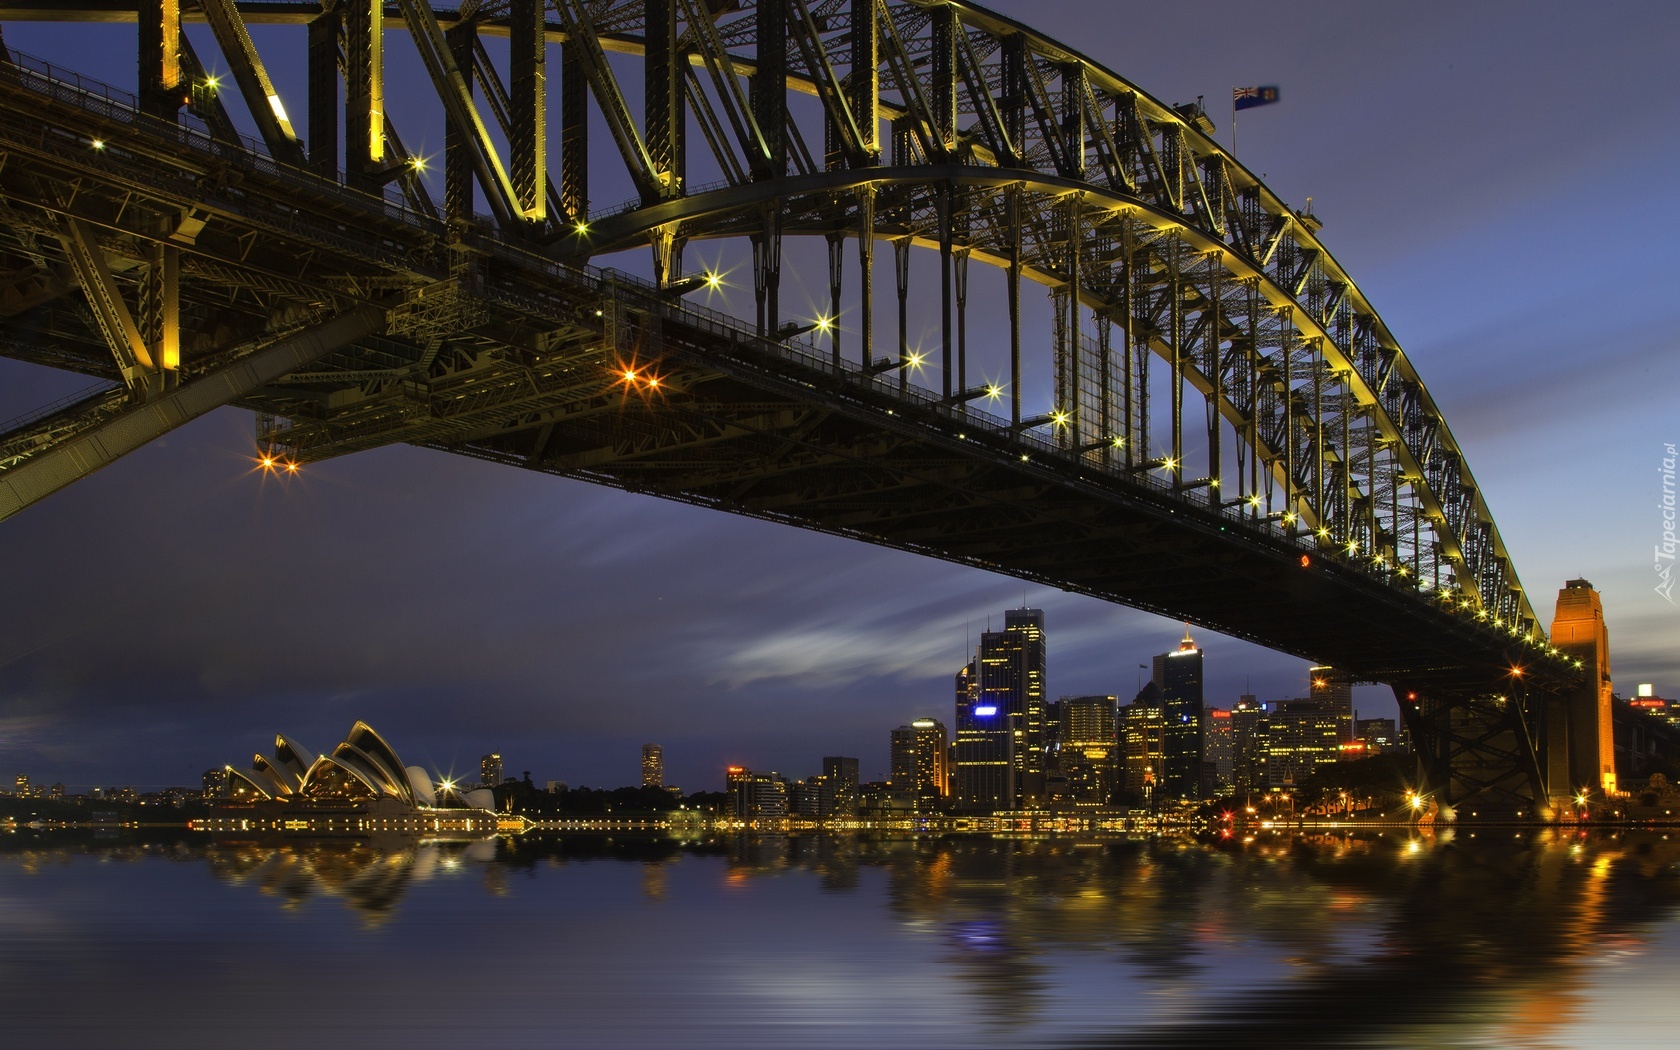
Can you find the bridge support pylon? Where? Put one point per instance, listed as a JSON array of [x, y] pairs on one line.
[[1576, 742]]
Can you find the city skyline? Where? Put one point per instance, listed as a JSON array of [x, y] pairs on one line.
[[725, 648]]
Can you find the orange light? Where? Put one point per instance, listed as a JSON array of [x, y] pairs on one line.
[[1305, 561], [267, 462], [630, 375], [291, 468], [653, 381]]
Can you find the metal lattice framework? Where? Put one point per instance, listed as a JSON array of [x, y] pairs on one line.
[[1317, 502]]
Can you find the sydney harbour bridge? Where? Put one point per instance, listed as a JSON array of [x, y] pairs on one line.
[[1228, 433]]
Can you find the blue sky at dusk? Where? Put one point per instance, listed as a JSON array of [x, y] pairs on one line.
[[1495, 177]]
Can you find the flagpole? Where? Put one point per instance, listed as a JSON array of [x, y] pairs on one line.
[[1233, 122]]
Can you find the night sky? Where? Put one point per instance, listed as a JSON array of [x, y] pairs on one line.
[[1496, 176]]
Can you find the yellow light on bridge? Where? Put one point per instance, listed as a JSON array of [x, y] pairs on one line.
[[1059, 418], [994, 391], [825, 323], [915, 359], [582, 227], [417, 163], [98, 144], [714, 280]]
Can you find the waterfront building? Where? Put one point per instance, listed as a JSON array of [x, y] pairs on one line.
[[812, 798], [757, 795], [490, 770], [842, 772], [360, 785], [1219, 760], [21, 786], [920, 753], [1178, 676], [215, 783], [1087, 748], [653, 766]]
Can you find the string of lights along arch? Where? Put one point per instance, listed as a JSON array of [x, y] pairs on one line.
[[1223, 429]]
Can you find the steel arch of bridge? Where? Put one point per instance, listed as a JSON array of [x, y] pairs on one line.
[[936, 125]]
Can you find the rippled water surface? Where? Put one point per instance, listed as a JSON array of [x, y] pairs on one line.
[[1499, 940]]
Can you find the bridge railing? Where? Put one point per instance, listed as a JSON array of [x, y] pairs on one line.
[[123, 107]]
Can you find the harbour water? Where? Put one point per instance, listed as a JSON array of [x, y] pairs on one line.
[[1509, 938]]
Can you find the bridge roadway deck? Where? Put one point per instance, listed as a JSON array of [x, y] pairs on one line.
[[499, 353]]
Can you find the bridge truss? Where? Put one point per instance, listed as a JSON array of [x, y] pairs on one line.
[[1234, 437]]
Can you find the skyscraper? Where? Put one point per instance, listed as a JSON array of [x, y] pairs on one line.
[[1218, 760], [1248, 745], [653, 766], [1002, 752], [1087, 747], [920, 751], [1178, 675], [981, 780], [1142, 738], [490, 770]]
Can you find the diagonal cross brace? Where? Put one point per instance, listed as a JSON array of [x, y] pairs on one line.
[[116, 323], [88, 450], [249, 73]]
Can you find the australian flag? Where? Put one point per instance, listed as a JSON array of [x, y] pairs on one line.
[[1249, 97]]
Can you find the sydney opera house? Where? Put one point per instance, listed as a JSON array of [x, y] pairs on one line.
[[361, 786]]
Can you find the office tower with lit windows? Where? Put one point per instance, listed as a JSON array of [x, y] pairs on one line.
[[1332, 689], [1002, 750], [1178, 675], [1302, 736], [841, 771], [920, 752], [1141, 732], [1219, 758], [1248, 745], [756, 795], [22, 786], [1088, 748], [490, 770], [981, 776], [653, 766]]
